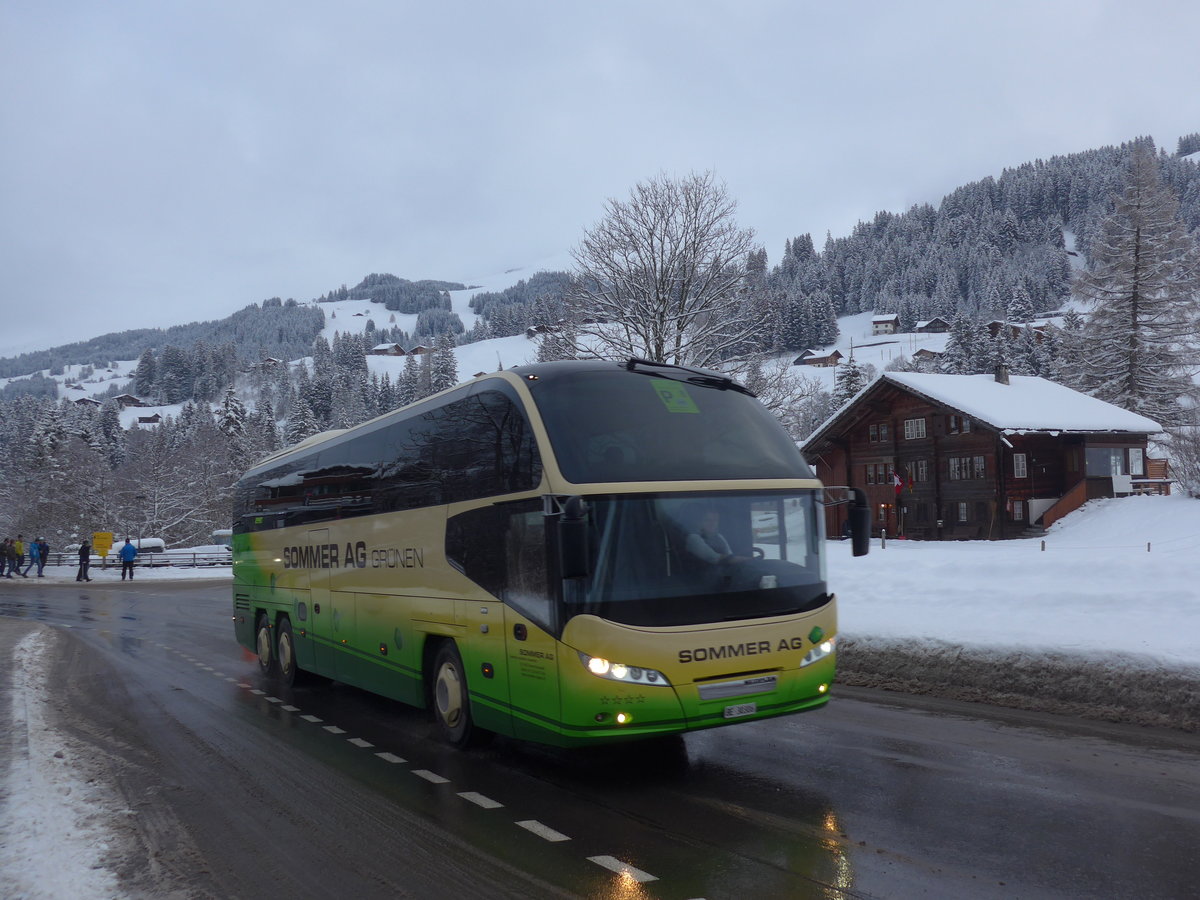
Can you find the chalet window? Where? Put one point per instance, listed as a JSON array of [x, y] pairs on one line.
[[1020, 470], [883, 431], [958, 425], [922, 470], [963, 512], [873, 433], [1137, 465], [1106, 461], [1018, 510], [979, 467], [870, 473], [914, 428], [955, 468]]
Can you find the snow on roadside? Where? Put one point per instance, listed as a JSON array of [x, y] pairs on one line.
[[55, 813], [1094, 591]]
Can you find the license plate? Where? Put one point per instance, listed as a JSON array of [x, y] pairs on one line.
[[740, 709]]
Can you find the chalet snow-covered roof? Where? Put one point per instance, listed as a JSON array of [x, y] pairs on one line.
[[886, 317], [1025, 404]]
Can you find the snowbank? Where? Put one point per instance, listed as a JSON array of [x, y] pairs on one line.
[[1094, 624]]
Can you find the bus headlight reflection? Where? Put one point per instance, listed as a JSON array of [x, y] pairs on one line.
[[620, 672]]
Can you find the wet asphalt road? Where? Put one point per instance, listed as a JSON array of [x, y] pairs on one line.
[[243, 788]]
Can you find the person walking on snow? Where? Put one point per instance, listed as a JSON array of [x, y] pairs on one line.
[[128, 552], [85, 560], [35, 559]]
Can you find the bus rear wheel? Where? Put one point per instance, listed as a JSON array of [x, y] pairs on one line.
[[263, 643], [285, 652], [451, 703]]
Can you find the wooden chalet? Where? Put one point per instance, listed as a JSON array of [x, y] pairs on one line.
[[127, 400], [818, 359], [926, 355], [936, 325], [386, 350], [885, 324], [969, 457]]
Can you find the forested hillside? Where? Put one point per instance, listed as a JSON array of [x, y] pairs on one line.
[[1010, 248], [273, 328]]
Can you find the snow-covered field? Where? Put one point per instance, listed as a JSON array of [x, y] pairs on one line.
[[1095, 590]]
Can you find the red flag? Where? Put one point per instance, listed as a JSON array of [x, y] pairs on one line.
[[897, 483]]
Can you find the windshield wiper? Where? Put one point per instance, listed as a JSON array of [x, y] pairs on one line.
[[702, 377]]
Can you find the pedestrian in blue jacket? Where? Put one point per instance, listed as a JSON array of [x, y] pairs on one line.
[[35, 559], [127, 554]]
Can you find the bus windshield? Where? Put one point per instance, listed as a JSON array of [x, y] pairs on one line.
[[688, 559], [652, 428]]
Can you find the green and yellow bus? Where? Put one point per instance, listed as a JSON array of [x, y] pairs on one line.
[[569, 553]]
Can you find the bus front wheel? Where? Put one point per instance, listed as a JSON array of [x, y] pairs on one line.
[[451, 705], [263, 642]]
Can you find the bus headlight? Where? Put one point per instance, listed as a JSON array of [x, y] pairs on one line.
[[602, 668], [820, 651]]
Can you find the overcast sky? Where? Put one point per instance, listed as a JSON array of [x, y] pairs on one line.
[[163, 162]]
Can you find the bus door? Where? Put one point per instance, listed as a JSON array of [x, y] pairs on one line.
[[532, 650]]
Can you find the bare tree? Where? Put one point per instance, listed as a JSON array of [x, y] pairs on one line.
[[660, 276]]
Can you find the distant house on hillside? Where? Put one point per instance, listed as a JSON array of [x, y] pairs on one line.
[[885, 324], [975, 456], [936, 325], [1015, 328], [152, 419], [821, 360], [926, 355], [127, 400], [386, 350], [87, 401], [419, 349]]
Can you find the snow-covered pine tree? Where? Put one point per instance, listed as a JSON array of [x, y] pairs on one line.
[[302, 423], [850, 379], [444, 366], [1144, 289]]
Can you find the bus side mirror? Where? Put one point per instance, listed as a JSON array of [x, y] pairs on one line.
[[573, 539], [860, 523]]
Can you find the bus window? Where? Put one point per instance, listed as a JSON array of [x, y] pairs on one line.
[[691, 559]]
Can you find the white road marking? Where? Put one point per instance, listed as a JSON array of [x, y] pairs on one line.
[[290, 708], [359, 742], [390, 757], [543, 831], [243, 684], [312, 719], [430, 776], [257, 691], [480, 800], [615, 865], [333, 729], [232, 680]]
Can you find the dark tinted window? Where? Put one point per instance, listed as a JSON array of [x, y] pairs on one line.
[[476, 445], [628, 426]]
